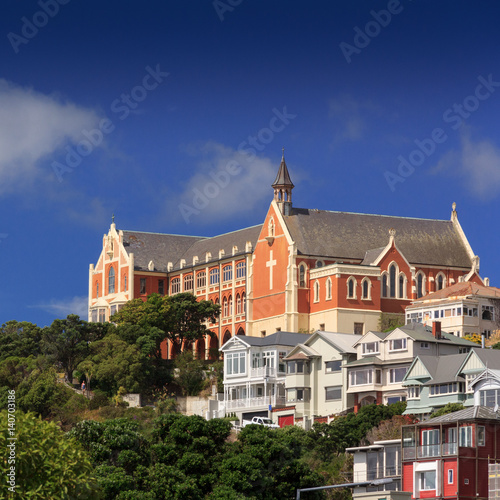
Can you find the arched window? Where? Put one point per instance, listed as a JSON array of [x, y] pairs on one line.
[[241, 270], [384, 285], [188, 282], [270, 228], [328, 289], [351, 285], [402, 294], [176, 285], [302, 275], [214, 276], [224, 307], [316, 291], [201, 279], [238, 304], [392, 280], [111, 280], [230, 305], [440, 282], [420, 285], [366, 288], [97, 290]]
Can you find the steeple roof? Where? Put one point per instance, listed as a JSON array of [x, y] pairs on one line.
[[283, 177]]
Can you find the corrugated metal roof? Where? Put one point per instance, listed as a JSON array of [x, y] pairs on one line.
[[474, 412]]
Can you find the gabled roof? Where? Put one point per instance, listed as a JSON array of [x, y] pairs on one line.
[[487, 374], [461, 290], [379, 335], [489, 357], [289, 339], [367, 360], [156, 247], [344, 235], [422, 333], [471, 413], [443, 369], [428, 362], [343, 342]]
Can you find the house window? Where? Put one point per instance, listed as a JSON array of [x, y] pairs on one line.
[[188, 282], [366, 289], [361, 377], [244, 302], [111, 280], [297, 394], [316, 291], [125, 283], [481, 435], [465, 436], [238, 304], [281, 363], [97, 290], [487, 313], [424, 345], [224, 307], [230, 305], [214, 276], [201, 279], [227, 273], [395, 399], [369, 348], [440, 282], [333, 393], [428, 480], [384, 285], [396, 375], [235, 363], [161, 287], [302, 275], [297, 366], [142, 286], [241, 270], [328, 289], [351, 288], [333, 366], [112, 310], [397, 345], [489, 397], [176, 285], [94, 316], [392, 280], [413, 392], [450, 476]]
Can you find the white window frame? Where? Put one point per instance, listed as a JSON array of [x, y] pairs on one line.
[[404, 342]]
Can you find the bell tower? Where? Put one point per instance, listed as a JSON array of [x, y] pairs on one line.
[[283, 186]]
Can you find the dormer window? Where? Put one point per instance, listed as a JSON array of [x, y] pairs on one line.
[[369, 348]]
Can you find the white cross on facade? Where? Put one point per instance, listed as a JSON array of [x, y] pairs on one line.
[[270, 264]]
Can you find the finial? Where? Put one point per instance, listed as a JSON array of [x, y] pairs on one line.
[[113, 219], [392, 232], [454, 206]]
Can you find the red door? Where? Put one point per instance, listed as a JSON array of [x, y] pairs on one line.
[[285, 420]]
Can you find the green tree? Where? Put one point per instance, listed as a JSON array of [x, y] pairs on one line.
[[190, 374], [47, 464], [179, 318], [19, 339], [448, 408], [66, 341]]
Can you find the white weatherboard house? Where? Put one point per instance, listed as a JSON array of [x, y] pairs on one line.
[[315, 379], [254, 372]]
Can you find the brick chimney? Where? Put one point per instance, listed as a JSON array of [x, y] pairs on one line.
[[436, 329]]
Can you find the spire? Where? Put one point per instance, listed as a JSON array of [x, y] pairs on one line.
[[283, 186]]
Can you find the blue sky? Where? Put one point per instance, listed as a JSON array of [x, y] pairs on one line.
[[131, 108]]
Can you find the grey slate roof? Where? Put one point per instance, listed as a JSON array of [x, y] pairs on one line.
[[471, 413], [165, 248], [422, 333], [344, 235], [343, 341], [223, 241], [290, 339], [160, 248], [368, 360]]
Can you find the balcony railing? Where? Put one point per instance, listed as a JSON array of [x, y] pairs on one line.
[[428, 451], [377, 473], [263, 401], [449, 448], [264, 371]]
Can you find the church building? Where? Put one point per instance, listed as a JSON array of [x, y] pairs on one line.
[[300, 270]]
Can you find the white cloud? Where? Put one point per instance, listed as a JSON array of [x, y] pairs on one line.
[[32, 127], [61, 308], [350, 117], [226, 183], [477, 162]]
